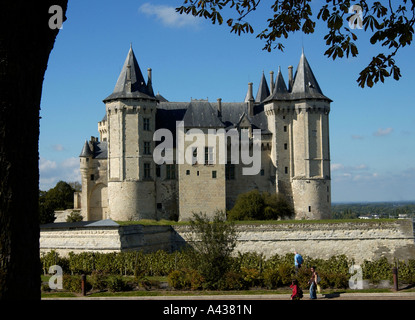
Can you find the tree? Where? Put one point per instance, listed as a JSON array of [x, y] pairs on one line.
[[58, 198], [254, 205], [391, 25], [214, 243], [26, 40]]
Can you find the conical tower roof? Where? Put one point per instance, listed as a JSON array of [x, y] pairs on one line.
[[263, 90], [86, 150], [305, 84], [280, 89], [130, 83]]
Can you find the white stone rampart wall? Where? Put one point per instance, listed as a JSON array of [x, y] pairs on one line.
[[358, 240]]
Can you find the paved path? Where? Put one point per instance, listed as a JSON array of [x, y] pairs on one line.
[[325, 297]]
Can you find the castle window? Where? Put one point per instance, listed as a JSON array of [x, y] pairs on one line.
[[285, 128], [158, 170], [194, 159], [159, 206], [309, 208], [230, 171], [147, 147], [92, 177], [170, 171], [213, 174], [286, 169], [147, 171], [285, 146], [146, 124], [209, 156], [188, 172], [262, 172]]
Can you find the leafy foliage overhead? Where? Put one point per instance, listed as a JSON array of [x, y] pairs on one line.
[[391, 24]]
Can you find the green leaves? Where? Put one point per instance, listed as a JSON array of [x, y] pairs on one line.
[[391, 26], [377, 71]]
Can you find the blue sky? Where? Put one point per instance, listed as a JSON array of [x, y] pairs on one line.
[[372, 130]]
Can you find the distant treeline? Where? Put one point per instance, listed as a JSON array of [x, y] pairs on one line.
[[381, 209]]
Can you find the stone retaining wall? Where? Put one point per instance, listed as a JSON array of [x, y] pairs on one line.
[[368, 240]]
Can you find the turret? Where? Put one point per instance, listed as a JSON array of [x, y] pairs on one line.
[[85, 166], [131, 113], [298, 119]]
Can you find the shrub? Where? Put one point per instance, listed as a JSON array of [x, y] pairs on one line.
[[116, 283], [286, 274], [213, 246], [98, 280], [254, 205], [406, 271], [271, 278], [185, 279], [232, 280], [74, 216], [377, 270], [251, 277], [177, 280], [72, 283]]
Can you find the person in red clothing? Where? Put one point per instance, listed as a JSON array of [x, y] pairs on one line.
[[297, 292]]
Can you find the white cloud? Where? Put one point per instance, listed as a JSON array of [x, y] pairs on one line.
[[336, 166], [46, 165], [168, 15], [383, 132], [52, 172], [58, 147]]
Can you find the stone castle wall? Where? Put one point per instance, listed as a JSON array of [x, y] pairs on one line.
[[368, 240]]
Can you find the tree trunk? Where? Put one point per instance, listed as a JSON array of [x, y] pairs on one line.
[[26, 41]]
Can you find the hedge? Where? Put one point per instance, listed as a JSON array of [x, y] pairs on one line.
[[247, 269]]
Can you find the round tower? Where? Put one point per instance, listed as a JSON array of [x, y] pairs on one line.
[[298, 117], [130, 115], [85, 168]]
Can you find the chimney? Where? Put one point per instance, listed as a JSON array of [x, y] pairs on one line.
[[290, 78], [149, 75], [272, 81], [219, 107], [250, 100]]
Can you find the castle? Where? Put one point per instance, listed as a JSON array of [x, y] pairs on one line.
[[286, 125]]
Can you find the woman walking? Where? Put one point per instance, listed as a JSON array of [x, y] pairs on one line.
[[313, 283]]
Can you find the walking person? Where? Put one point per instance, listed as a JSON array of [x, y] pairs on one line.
[[313, 283], [297, 292], [298, 261]]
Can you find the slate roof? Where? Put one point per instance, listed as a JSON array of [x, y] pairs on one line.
[[204, 114], [86, 150], [79, 224], [305, 84], [200, 114], [280, 89], [99, 150], [131, 83], [263, 90]]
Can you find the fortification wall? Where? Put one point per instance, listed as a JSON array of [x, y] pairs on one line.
[[366, 240]]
